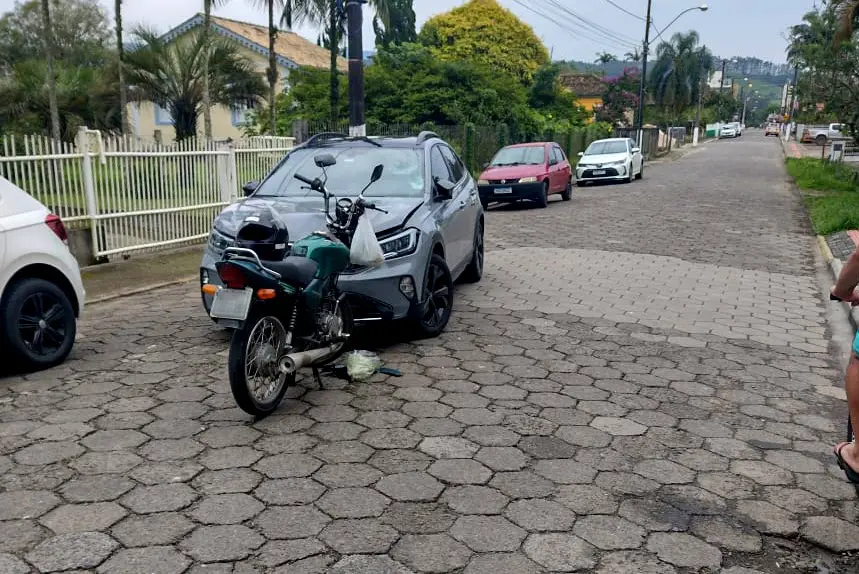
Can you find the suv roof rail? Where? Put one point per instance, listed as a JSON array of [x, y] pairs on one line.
[[324, 136], [425, 135]]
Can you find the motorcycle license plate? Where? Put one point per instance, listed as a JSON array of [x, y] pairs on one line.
[[231, 304], [503, 190], [599, 172]]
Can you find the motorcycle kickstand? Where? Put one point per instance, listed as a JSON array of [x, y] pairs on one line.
[[317, 378]]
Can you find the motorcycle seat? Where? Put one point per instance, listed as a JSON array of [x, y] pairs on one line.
[[298, 271]]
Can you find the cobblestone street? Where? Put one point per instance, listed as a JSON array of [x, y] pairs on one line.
[[642, 383]]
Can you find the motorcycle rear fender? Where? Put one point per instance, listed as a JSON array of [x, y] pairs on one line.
[[256, 277]]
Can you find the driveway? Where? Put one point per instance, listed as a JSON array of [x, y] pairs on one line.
[[642, 382]]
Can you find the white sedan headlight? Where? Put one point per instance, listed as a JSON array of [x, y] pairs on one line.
[[401, 244], [528, 180], [482, 182], [621, 162]]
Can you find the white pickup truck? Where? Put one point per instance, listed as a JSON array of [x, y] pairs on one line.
[[821, 135]]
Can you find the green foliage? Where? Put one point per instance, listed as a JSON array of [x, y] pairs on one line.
[[621, 95], [831, 193], [171, 75], [81, 32], [401, 26], [547, 96], [677, 73], [482, 31], [468, 155]]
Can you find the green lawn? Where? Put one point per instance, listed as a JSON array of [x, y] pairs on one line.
[[830, 192]]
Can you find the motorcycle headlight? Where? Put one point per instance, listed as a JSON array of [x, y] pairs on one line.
[[401, 244], [482, 182], [528, 180], [218, 241]]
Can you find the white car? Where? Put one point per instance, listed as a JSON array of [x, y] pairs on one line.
[[728, 131], [614, 159], [41, 292]]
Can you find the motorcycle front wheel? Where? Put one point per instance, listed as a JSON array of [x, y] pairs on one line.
[[257, 384]]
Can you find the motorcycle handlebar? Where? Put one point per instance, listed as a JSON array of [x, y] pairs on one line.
[[303, 179]]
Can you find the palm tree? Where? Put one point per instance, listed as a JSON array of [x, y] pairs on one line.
[[677, 72], [633, 56], [171, 76], [48, 41], [605, 58], [120, 51], [272, 75]]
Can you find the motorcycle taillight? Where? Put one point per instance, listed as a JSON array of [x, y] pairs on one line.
[[232, 276]]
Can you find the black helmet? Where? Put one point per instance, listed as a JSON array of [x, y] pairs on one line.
[[264, 233]]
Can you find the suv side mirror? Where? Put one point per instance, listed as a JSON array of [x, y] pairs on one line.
[[636, 150], [250, 187], [324, 160], [444, 188]]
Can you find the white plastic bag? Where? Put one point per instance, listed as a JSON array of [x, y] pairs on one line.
[[365, 249], [362, 364]]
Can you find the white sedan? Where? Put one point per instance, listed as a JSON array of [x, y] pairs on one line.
[[728, 131], [614, 159], [41, 293]]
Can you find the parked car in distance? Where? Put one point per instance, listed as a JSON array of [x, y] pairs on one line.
[[613, 159], [431, 235], [738, 127], [41, 292], [531, 171], [772, 129], [728, 131], [822, 134]]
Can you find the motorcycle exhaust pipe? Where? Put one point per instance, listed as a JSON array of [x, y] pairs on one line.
[[293, 361]]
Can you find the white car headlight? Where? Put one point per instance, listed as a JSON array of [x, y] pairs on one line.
[[401, 244], [528, 180], [621, 162]]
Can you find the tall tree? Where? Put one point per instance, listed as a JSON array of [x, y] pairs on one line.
[[676, 78], [605, 58], [847, 12], [633, 56], [171, 76], [270, 6], [120, 52], [48, 39], [401, 25]]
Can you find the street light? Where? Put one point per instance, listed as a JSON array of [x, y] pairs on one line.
[[641, 91]]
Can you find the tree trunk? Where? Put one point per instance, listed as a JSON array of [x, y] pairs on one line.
[[272, 70], [120, 50], [48, 41], [207, 101], [333, 41]]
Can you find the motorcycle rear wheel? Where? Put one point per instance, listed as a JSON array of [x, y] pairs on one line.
[[257, 384]]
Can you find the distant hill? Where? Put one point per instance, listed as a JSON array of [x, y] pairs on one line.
[[743, 67]]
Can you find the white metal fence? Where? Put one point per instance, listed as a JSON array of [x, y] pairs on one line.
[[135, 195]]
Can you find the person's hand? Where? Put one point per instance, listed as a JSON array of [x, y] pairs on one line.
[[852, 298]]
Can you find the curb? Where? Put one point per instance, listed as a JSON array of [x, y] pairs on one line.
[[835, 265], [139, 290]]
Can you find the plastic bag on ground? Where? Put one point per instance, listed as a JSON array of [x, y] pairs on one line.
[[365, 249], [362, 364]]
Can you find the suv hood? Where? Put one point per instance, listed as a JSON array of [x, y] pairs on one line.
[[513, 171], [602, 159], [303, 216]]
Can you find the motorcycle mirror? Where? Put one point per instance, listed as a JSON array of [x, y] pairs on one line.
[[377, 173], [324, 160], [250, 187]]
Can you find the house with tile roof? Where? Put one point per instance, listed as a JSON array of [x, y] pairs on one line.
[[588, 89], [292, 51]]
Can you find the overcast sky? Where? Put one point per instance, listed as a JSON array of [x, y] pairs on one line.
[[728, 28]]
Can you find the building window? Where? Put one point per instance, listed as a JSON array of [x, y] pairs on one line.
[[241, 115], [162, 116]]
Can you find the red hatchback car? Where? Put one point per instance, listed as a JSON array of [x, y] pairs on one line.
[[531, 171]]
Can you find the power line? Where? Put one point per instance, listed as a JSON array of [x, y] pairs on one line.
[[593, 26], [625, 11], [567, 25]]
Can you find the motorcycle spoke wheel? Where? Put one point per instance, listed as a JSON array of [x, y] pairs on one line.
[[266, 344]]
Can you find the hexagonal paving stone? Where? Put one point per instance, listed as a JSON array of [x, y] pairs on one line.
[[684, 550], [166, 472], [793, 461], [587, 499], [283, 522], [654, 515], [220, 437], [9, 564], [492, 436], [230, 457], [501, 458], [448, 447], [488, 533], [400, 460], [609, 532], [496, 563], [664, 471], [565, 471], [353, 503], [522, 484], [72, 551], [17, 536], [539, 515], [161, 559], [343, 451], [26, 503], [767, 518], [171, 449], [418, 517], [410, 487], [795, 499], [91, 517], [227, 481], [367, 564], [277, 552], [152, 529], [692, 499], [431, 552], [546, 447], [475, 500], [347, 474], [226, 509], [727, 534], [832, 533], [98, 488], [289, 491], [632, 562], [762, 472], [114, 440], [159, 498], [391, 438], [221, 543], [460, 471], [289, 465], [47, 453], [361, 536], [618, 426], [560, 552]]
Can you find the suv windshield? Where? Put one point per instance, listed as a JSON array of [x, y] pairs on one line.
[[403, 175], [523, 155], [600, 148]]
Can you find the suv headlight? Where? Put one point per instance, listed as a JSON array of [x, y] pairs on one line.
[[218, 241], [528, 180], [621, 162], [401, 244]]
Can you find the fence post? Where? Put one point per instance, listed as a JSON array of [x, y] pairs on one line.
[[227, 176], [89, 186], [469, 147]]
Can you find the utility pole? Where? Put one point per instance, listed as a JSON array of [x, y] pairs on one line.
[[698, 112], [793, 93], [641, 90], [354, 16]]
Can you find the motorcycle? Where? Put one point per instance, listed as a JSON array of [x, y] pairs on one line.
[[288, 314]]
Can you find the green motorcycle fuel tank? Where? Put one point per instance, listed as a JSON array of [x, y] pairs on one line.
[[331, 257]]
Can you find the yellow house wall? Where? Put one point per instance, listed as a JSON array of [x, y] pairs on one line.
[[588, 103], [142, 114]]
